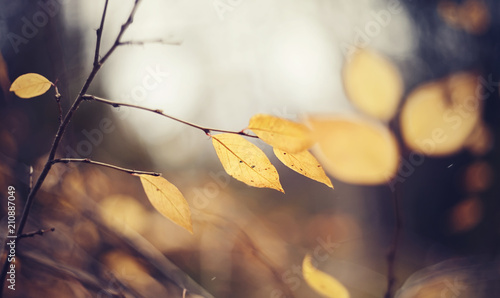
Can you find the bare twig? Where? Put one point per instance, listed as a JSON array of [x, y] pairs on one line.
[[64, 125], [58, 101], [120, 34], [150, 41], [32, 234], [86, 160], [99, 35], [30, 182], [160, 112], [391, 254]]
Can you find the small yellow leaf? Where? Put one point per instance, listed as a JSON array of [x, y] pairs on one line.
[[245, 162], [167, 200], [304, 163], [356, 150], [30, 85], [373, 84], [280, 133], [321, 282]]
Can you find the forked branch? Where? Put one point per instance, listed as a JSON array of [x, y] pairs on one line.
[[62, 127]]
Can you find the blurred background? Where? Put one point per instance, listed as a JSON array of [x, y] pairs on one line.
[[237, 58]]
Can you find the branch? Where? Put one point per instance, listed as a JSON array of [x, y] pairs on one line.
[[64, 125], [30, 182], [160, 112], [58, 101], [391, 254], [151, 41], [32, 234], [86, 160], [120, 34], [99, 35]]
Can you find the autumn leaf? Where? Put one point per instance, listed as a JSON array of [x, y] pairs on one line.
[[304, 163], [373, 84], [245, 162], [30, 85], [355, 150], [439, 116], [321, 282], [280, 133], [167, 200]]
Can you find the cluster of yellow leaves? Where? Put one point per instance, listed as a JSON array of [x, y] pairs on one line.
[[438, 118], [357, 149], [248, 163], [240, 158]]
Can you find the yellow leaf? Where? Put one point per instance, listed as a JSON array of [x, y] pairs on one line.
[[356, 150], [439, 116], [321, 282], [30, 85], [168, 200], [304, 163], [245, 162], [373, 84], [280, 133]]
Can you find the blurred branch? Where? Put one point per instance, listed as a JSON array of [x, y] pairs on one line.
[[254, 250], [391, 254], [87, 280], [160, 112], [97, 163], [62, 127], [39, 232], [146, 250], [150, 41]]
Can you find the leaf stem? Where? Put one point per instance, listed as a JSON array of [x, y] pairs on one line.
[[102, 164], [206, 130]]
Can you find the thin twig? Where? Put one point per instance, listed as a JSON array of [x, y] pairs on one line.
[[30, 182], [160, 112], [32, 234], [86, 160], [120, 34], [150, 41], [58, 101], [391, 254], [99, 35], [64, 125]]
